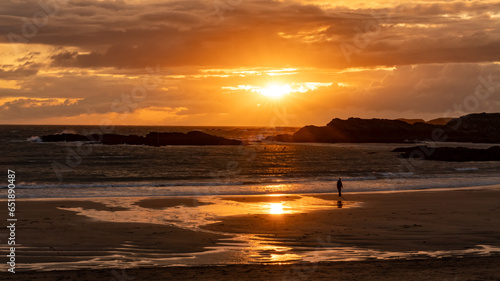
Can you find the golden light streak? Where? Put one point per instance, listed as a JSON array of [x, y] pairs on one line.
[[243, 72]]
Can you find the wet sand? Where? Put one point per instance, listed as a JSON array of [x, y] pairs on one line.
[[393, 222], [402, 221], [451, 269], [49, 234]]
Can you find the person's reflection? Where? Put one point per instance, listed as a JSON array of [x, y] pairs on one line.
[[339, 204]]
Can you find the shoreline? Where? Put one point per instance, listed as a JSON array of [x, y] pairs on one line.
[[158, 231], [332, 192]]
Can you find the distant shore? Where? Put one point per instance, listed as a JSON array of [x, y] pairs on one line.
[[449, 229]]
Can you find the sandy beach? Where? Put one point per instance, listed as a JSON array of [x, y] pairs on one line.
[[430, 235], [477, 268]]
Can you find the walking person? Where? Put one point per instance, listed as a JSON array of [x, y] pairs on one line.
[[340, 186]]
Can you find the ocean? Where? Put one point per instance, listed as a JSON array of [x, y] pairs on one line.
[[63, 170]]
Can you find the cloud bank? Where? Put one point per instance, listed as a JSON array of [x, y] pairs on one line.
[[73, 58]]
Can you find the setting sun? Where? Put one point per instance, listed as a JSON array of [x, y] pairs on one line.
[[275, 91]]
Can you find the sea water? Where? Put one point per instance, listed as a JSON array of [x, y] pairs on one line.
[[45, 170]]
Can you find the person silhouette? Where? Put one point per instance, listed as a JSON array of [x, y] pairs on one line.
[[340, 186]]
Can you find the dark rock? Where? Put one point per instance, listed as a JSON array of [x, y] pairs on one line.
[[439, 121], [191, 138], [151, 139], [411, 121], [470, 128], [63, 137], [459, 154]]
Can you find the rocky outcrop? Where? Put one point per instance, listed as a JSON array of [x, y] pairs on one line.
[[439, 121], [411, 121], [151, 139], [360, 130], [470, 128], [64, 137], [459, 154]]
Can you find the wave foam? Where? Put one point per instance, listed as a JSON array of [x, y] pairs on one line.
[[34, 139], [466, 169]]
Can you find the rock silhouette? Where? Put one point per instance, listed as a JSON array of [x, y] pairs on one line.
[[483, 127], [459, 154], [151, 139]]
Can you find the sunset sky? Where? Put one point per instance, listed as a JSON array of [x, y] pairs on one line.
[[245, 62]]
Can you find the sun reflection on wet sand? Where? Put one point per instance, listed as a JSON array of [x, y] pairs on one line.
[[202, 211], [276, 208], [210, 209], [256, 249]]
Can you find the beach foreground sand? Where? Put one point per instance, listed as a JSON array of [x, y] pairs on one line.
[[446, 235], [449, 269], [400, 221]]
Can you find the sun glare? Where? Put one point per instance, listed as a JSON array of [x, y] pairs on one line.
[[276, 208], [278, 91], [275, 91]]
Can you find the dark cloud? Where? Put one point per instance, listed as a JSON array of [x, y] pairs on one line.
[[64, 58], [121, 34], [19, 73]]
